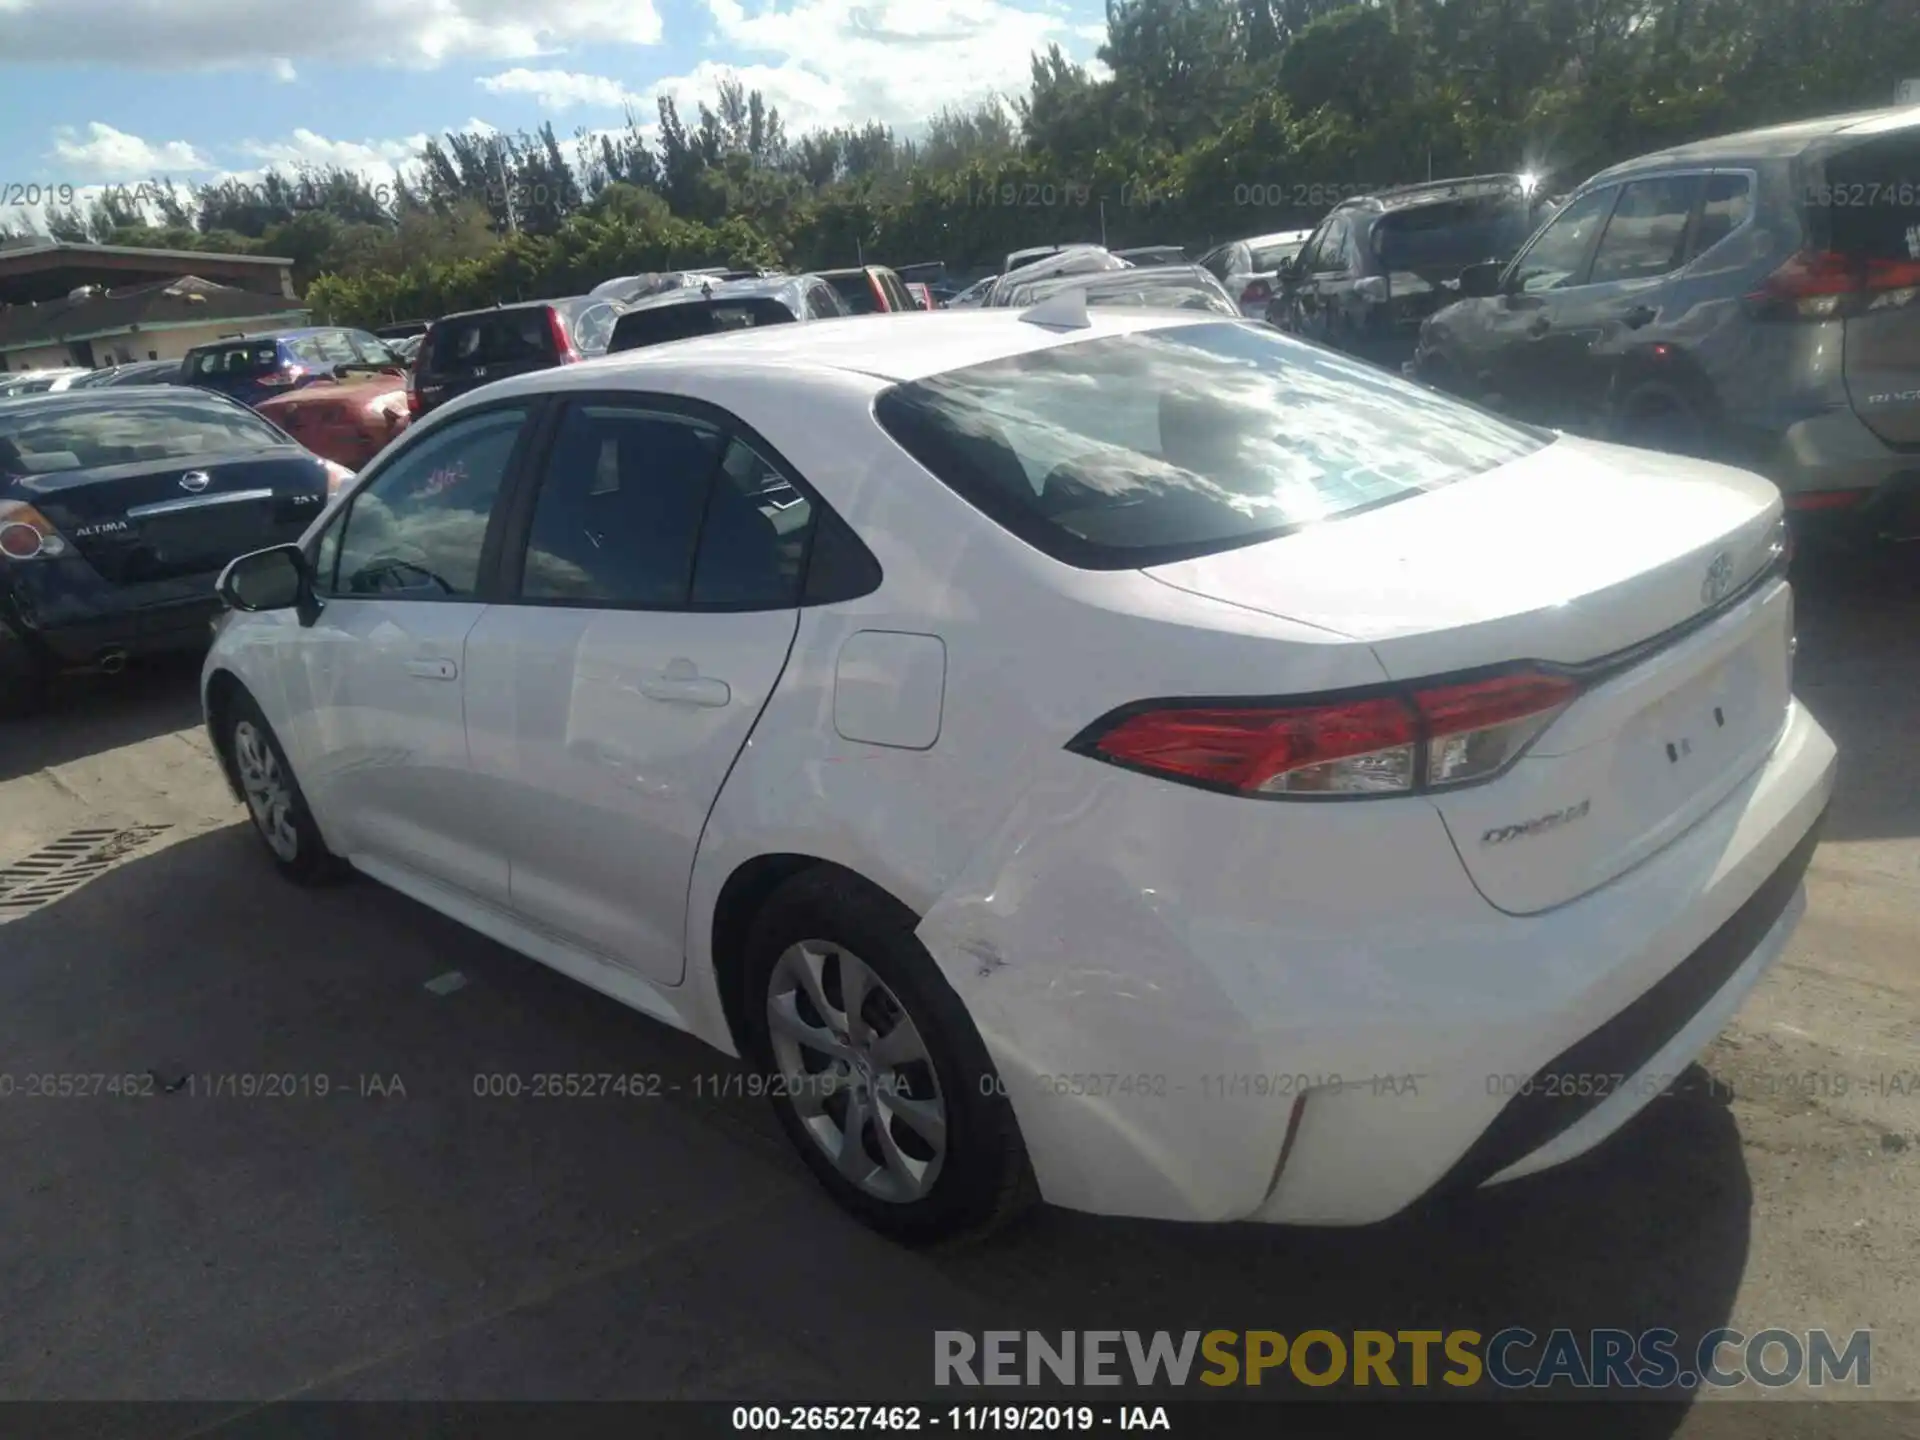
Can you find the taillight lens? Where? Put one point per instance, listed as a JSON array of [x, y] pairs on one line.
[[1829, 285], [562, 341], [1257, 293], [26, 534], [1429, 737], [283, 377], [338, 478]]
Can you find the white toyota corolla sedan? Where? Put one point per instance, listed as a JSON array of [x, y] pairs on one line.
[[1133, 758]]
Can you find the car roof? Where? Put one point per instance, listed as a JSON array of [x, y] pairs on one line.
[[908, 345], [1434, 192], [553, 301], [1773, 142]]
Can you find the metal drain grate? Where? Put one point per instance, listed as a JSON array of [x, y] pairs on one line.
[[68, 863]]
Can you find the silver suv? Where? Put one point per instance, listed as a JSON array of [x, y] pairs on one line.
[[1753, 298]]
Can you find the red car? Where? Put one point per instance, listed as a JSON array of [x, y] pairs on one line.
[[348, 421], [869, 289]]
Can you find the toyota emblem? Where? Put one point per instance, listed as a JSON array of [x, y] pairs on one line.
[[194, 481], [1719, 579]]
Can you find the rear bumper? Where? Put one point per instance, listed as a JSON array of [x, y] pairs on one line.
[[64, 615], [1831, 452], [1192, 1022]]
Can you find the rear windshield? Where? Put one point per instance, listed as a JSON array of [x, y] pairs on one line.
[[1869, 202], [1140, 449], [258, 357], [857, 292], [1453, 236], [158, 425], [658, 325], [495, 337], [1268, 258]]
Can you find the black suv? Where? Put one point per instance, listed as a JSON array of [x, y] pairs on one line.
[[1753, 298], [1379, 265], [465, 351]]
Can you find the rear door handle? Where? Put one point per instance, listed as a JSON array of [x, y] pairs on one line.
[[1540, 325], [681, 683], [433, 669]]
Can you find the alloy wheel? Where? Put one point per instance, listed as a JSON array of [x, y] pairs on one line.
[[269, 796], [857, 1071]]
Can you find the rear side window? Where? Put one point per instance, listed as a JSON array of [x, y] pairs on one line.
[[1269, 258], [157, 426], [856, 293], [334, 347], [753, 542], [235, 361], [495, 337], [1643, 238], [618, 514], [1140, 449], [1724, 208]]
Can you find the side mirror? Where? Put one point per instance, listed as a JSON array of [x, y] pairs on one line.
[[276, 579], [1483, 280]]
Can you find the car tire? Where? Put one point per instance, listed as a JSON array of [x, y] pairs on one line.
[[275, 803], [939, 1154]]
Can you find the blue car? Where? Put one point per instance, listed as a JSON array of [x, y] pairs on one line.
[[253, 368]]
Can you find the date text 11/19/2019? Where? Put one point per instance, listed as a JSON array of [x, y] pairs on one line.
[[962, 1419]]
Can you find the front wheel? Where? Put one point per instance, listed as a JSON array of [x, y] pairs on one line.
[[279, 811], [876, 1071]]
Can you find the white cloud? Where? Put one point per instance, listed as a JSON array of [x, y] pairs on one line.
[[897, 61], [283, 70], [560, 89], [306, 147], [212, 34], [105, 153]]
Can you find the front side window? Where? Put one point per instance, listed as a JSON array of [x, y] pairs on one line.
[[1139, 449], [619, 508], [1559, 252], [1648, 227], [416, 529]]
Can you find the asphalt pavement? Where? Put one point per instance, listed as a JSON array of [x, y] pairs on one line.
[[402, 1236]]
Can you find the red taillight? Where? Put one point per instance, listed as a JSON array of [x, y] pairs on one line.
[[1828, 285], [1826, 499], [283, 377], [1435, 736], [1257, 293], [26, 534], [562, 342]]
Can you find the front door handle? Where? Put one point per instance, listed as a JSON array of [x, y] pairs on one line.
[[1541, 324], [1638, 316], [433, 669], [681, 683]]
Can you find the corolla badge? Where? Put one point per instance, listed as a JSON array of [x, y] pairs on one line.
[[1719, 579], [194, 481], [1539, 825]]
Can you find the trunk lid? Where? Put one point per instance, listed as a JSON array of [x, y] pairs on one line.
[[156, 520], [1643, 572], [464, 352], [1871, 210], [347, 423]]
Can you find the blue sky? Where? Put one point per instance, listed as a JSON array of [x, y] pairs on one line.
[[105, 91]]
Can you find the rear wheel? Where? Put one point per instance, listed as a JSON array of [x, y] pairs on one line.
[[877, 1073], [278, 809]]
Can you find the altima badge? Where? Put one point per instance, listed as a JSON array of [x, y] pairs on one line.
[[1552, 820], [1719, 579], [195, 481]]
